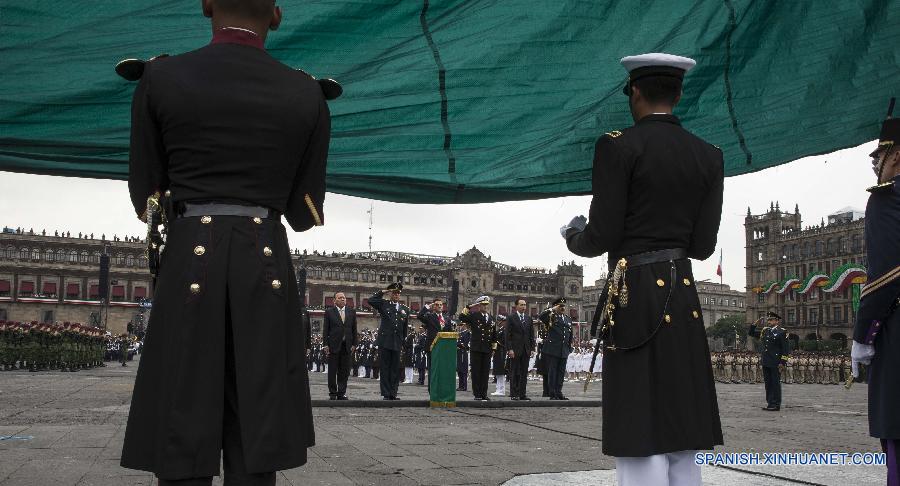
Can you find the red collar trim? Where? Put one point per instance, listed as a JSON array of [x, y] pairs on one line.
[[236, 36]]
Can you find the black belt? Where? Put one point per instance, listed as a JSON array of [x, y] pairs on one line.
[[190, 210], [649, 257]]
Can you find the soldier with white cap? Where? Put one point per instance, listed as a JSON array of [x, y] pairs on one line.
[[657, 201]]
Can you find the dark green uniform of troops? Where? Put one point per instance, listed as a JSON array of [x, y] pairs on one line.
[[876, 334], [657, 201], [775, 351], [391, 334], [557, 345], [232, 140]]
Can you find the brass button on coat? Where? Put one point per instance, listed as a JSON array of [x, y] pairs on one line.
[[267, 251], [696, 315], [687, 281], [668, 318], [660, 283], [199, 250], [257, 220], [276, 284], [206, 219], [195, 288]]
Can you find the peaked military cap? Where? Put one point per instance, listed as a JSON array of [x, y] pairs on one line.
[[772, 315], [655, 64], [561, 300], [396, 286], [890, 131]]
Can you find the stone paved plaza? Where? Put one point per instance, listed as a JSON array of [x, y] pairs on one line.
[[67, 429]]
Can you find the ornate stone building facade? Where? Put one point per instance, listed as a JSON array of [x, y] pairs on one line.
[[718, 300], [425, 277], [57, 278], [783, 260]]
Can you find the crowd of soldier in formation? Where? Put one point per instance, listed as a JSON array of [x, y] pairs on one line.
[[35, 346], [802, 367]]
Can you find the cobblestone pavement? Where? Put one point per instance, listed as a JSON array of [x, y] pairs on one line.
[[67, 429]]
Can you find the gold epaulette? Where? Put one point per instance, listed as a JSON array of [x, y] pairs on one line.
[[881, 187], [614, 133]]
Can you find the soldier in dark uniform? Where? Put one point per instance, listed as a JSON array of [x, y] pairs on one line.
[[499, 359], [407, 360], [657, 201], [876, 335], [557, 345], [484, 340], [391, 333], [231, 139], [463, 344], [422, 347], [775, 350]]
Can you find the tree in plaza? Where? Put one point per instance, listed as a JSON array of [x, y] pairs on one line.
[[727, 328]]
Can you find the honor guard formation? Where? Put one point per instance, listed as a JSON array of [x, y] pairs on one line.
[[68, 346]]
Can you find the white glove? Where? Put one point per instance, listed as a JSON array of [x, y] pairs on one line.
[[593, 342], [860, 353], [578, 223], [539, 340], [427, 306]]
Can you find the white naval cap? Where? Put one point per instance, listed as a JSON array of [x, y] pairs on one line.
[[655, 64]]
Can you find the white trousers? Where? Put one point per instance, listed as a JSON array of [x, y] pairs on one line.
[[672, 469], [409, 375], [501, 385]]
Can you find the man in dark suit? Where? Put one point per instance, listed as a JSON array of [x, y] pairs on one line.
[[557, 345], [519, 348], [338, 342], [391, 333], [435, 321], [657, 201], [230, 140], [484, 340]]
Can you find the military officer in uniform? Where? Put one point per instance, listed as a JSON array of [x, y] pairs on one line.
[[484, 341], [227, 140], [391, 334], [657, 201], [499, 359], [463, 344], [557, 345], [775, 350], [876, 334]]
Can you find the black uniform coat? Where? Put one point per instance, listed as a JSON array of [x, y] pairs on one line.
[[484, 333], [406, 359], [334, 331], [463, 345], [558, 337], [519, 336], [879, 296], [394, 322], [226, 122], [775, 348], [656, 186], [498, 361]]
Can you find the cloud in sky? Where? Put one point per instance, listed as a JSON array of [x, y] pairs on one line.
[[522, 233]]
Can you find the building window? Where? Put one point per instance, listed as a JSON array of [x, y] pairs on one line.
[[573, 289], [5, 288], [23, 254], [761, 298], [813, 316], [35, 254], [3, 315], [47, 317], [129, 261], [836, 313], [48, 255], [26, 289], [791, 316]]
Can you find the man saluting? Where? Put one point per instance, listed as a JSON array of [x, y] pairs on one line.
[[657, 200], [230, 139]]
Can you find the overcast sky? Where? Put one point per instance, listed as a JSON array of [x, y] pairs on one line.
[[820, 185]]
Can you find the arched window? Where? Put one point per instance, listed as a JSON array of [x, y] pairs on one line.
[[573, 289], [857, 246], [842, 244], [355, 275], [129, 261], [819, 248], [829, 246], [120, 260], [84, 257], [35, 254], [73, 256], [23, 254], [48, 255], [10, 252], [95, 258]]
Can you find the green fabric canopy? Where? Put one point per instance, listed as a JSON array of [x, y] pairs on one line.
[[470, 101]]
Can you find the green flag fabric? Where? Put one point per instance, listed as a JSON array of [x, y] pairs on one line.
[[442, 375], [470, 101]]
